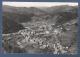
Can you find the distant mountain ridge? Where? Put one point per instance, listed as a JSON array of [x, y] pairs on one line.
[[37, 10], [22, 10]]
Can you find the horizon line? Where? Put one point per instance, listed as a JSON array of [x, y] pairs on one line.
[[38, 4]]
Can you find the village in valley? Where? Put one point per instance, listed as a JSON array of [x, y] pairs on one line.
[[47, 30], [45, 38]]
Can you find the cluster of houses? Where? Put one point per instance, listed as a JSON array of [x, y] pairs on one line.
[[46, 36]]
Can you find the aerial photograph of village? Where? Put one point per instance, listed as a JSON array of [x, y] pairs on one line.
[[40, 27]]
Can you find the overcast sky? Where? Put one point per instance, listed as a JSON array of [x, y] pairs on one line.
[[38, 4]]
